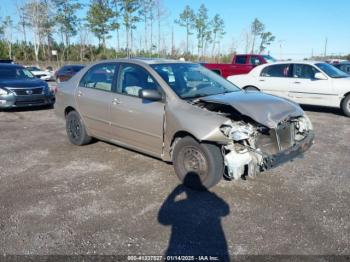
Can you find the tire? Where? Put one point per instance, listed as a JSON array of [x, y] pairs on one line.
[[251, 88], [345, 105], [199, 166], [76, 130]]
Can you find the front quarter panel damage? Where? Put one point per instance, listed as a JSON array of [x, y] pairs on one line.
[[182, 117]]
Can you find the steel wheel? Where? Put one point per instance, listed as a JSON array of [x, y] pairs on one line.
[[194, 161], [76, 131], [74, 128]]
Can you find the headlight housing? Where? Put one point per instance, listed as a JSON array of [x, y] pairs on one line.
[[3, 91], [237, 131], [304, 124]]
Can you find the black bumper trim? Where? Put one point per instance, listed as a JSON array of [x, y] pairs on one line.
[[290, 153]]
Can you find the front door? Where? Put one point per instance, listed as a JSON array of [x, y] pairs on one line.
[[94, 96], [135, 121]]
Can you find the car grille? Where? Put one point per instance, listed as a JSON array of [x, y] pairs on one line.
[[279, 139], [30, 102], [26, 91]]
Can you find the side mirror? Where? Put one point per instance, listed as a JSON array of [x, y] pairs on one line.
[[150, 94], [320, 76]]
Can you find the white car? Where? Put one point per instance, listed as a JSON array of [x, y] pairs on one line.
[[306, 82], [43, 75]]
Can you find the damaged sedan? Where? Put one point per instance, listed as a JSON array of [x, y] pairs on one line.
[[183, 113]]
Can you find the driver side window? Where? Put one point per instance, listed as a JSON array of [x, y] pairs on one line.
[[133, 78], [304, 71]]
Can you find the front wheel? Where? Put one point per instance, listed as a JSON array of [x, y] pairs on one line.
[[76, 130], [345, 106], [198, 165]]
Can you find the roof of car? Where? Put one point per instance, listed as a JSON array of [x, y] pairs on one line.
[[148, 61], [308, 62]]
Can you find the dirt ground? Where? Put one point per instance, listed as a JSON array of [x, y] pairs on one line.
[[56, 198]]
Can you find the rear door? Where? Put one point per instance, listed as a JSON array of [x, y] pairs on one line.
[[137, 122], [306, 89], [275, 79], [94, 97]]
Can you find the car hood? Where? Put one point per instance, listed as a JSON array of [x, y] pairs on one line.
[[22, 83], [265, 109]]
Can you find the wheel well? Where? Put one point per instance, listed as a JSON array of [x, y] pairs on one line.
[[345, 95], [68, 109], [179, 134], [244, 88]]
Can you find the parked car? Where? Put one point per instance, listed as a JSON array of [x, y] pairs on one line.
[[241, 64], [183, 113], [306, 82], [344, 66], [20, 88], [66, 72], [45, 75], [6, 61]]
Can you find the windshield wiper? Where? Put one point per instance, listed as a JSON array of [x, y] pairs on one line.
[[195, 96]]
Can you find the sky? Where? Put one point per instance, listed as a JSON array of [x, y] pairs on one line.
[[300, 26]]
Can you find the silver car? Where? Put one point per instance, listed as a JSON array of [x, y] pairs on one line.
[[183, 113]]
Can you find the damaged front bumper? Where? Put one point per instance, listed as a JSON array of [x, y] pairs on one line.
[[250, 161], [289, 154]]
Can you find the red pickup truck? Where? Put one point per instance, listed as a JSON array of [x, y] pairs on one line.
[[241, 64]]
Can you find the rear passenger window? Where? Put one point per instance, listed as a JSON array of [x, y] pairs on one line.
[[241, 59], [276, 71], [99, 77]]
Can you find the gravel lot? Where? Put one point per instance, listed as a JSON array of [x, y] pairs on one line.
[[102, 199]]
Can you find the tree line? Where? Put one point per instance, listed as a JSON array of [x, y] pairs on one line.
[[46, 25]]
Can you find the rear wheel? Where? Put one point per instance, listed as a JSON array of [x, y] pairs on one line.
[[76, 130], [345, 106], [198, 165], [251, 88]]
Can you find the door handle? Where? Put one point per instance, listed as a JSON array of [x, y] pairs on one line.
[[296, 82], [262, 80], [116, 101], [80, 93]]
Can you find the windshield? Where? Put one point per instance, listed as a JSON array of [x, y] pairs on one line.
[[15, 73], [269, 59], [193, 80], [332, 71]]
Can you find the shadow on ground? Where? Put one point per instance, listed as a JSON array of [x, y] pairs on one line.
[[195, 220]]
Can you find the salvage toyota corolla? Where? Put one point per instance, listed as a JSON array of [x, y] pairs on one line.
[[184, 114]]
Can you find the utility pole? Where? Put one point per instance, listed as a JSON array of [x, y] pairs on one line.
[[325, 47]]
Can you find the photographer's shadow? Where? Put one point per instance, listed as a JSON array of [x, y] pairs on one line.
[[195, 221]]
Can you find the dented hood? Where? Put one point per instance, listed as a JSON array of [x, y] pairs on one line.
[[265, 109]]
